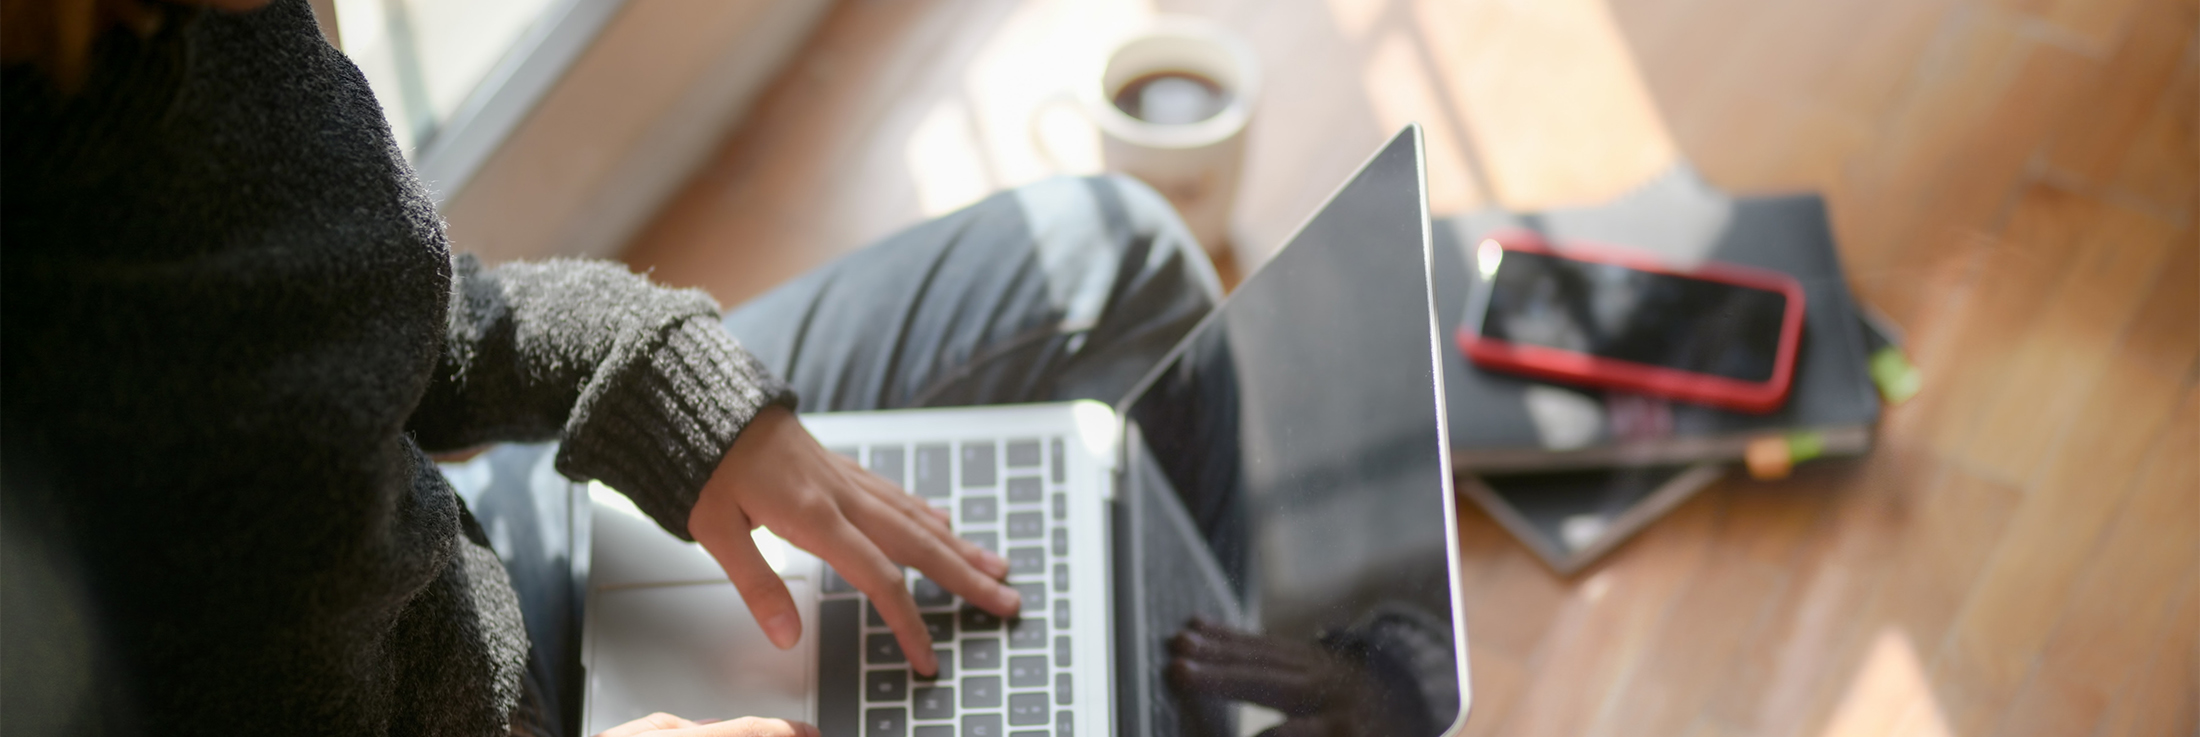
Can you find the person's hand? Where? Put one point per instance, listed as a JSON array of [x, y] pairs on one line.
[[661, 724], [777, 476], [1321, 693]]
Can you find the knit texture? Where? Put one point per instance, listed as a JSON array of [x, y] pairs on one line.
[[233, 331]]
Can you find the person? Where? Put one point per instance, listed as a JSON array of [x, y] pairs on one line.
[[235, 332]]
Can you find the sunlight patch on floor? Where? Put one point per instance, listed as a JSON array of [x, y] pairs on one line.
[[1890, 695]]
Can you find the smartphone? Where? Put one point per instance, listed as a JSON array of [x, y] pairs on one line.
[[1717, 334]]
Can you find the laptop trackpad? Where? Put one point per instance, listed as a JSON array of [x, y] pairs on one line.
[[693, 650]]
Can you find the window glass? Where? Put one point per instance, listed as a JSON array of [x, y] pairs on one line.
[[425, 58]]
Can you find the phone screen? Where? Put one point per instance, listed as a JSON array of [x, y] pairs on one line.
[[1611, 311]]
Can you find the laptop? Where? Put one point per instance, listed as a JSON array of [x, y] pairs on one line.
[[1280, 477]]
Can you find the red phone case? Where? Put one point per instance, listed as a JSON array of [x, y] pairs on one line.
[[1582, 368]]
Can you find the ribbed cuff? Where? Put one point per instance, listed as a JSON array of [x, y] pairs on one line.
[[656, 426]]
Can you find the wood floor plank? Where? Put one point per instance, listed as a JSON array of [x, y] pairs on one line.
[[1511, 610], [2158, 168], [2160, 699], [2062, 355], [1578, 128], [2123, 603], [2011, 609], [1598, 636], [1947, 540], [2095, 22], [1867, 78], [1482, 543], [1692, 48], [1498, 681], [1971, 182], [1968, 64], [2163, 336], [1899, 569], [2131, 84], [1759, 532], [1966, 350], [817, 170], [1686, 658]]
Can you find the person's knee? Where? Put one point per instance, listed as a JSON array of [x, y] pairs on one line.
[[1133, 215]]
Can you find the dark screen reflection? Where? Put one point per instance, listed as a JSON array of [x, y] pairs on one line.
[[1612, 311], [1291, 448]]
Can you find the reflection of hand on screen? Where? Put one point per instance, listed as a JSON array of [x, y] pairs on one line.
[[1322, 689]]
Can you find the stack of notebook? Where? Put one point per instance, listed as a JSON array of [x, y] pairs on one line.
[[1574, 471]]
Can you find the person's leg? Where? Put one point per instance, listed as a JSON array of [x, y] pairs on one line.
[[529, 514], [1071, 288]]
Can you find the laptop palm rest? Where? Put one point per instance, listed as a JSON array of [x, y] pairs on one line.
[[666, 632]]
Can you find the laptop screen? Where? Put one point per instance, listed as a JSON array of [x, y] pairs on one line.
[[1284, 540]]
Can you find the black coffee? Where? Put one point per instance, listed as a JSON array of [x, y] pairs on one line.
[[1172, 98]]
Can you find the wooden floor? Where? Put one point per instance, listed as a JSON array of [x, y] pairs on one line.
[[2013, 182]]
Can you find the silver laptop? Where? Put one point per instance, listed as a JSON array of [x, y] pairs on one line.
[[1279, 477]]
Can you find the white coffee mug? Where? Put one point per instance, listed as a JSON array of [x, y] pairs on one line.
[[1195, 165]]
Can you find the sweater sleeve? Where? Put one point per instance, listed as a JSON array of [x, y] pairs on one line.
[[640, 383]]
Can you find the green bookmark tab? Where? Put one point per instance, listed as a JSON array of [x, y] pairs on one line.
[[1897, 379]]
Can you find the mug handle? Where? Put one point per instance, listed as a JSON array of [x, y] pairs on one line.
[[1060, 98]]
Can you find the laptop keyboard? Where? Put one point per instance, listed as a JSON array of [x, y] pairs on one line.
[[997, 678]]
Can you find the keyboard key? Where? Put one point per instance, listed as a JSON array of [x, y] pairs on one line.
[[887, 463], [1026, 560], [1061, 652], [1025, 489], [886, 685], [1035, 594], [1024, 453], [1027, 671], [1065, 725], [1026, 525], [932, 469], [1061, 614], [853, 454], [882, 649], [975, 619], [983, 653], [981, 692], [929, 594], [941, 626], [946, 659], [1061, 542], [1026, 709], [871, 617], [978, 470], [1061, 506], [888, 722], [1061, 577], [991, 542], [1027, 633], [982, 725], [1061, 461], [1029, 733], [839, 665], [834, 584], [1062, 689], [936, 730], [935, 702], [984, 508]]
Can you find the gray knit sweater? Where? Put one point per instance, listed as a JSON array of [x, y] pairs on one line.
[[233, 329]]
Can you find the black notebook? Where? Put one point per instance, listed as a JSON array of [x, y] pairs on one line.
[[1504, 423], [1574, 471]]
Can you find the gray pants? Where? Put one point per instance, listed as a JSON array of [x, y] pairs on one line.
[[1071, 288]]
